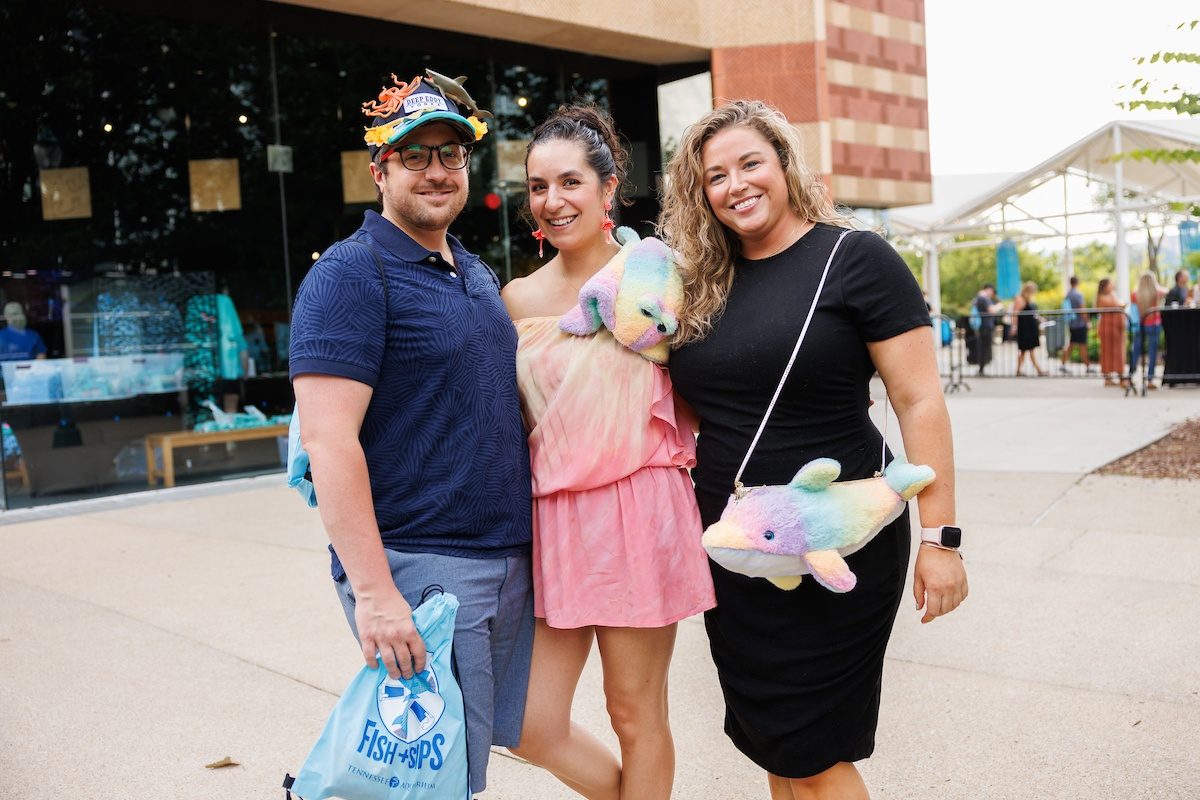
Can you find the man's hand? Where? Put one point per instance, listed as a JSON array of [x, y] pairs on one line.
[[385, 626], [939, 581]]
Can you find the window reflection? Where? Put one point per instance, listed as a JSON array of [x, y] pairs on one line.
[[144, 254]]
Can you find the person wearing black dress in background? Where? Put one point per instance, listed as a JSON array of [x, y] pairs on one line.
[[1029, 332], [801, 670]]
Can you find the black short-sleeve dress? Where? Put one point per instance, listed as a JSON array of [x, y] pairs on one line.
[[800, 670], [1029, 332]]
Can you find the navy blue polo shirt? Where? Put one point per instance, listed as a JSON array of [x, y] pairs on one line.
[[443, 434]]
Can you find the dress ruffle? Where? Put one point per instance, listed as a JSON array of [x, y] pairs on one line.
[[616, 532]]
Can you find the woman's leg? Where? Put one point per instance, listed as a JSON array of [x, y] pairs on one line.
[[839, 782], [780, 787], [548, 737], [1036, 366], [1122, 343], [1020, 361], [635, 690], [1151, 333], [1135, 351]]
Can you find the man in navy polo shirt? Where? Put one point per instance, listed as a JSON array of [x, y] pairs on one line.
[[403, 361]]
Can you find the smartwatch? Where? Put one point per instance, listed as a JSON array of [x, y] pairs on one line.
[[946, 536]]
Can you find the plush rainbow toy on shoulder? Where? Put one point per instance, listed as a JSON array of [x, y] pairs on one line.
[[636, 296]]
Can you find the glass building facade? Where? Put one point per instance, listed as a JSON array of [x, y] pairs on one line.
[[167, 176]]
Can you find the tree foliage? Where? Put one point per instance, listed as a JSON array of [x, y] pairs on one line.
[[964, 271], [1091, 262], [1185, 102]]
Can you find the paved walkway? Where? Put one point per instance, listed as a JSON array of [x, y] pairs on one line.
[[141, 639]]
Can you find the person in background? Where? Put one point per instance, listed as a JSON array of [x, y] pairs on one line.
[[1148, 297], [1111, 326], [1029, 333], [17, 342], [1179, 292], [616, 532], [801, 670], [1077, 328], [985, 303]]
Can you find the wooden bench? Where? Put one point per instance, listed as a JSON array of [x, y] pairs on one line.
[[15, 470], [167, 442]]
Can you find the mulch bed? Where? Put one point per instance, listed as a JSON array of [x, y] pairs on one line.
[[1176, 455]]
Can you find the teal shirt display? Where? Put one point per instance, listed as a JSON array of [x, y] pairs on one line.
[[232, 339]]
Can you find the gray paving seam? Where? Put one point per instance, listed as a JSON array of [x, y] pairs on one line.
[[1129, 579], [1039, 411], [1147, 698], [1059, 499], [1045, 562], [169, 632], [141, 497], [158, 529]]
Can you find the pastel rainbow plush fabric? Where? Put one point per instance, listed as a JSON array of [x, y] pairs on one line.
[[636, 296], [808, 526]]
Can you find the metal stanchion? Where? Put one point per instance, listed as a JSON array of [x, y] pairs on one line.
[[949, 340]]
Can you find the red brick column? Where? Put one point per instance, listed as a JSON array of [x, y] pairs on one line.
[[790, 77]]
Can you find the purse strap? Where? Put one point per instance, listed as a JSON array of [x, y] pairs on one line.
[[739, 489]]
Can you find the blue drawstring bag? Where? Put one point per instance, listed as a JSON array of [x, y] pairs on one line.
[[396, 738], [298, 475], [1069, 317]]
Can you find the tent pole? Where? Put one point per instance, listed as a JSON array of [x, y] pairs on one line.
[[1068, 265], [1121, 249]]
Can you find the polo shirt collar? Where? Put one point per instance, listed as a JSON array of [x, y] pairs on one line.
[[402, 246]]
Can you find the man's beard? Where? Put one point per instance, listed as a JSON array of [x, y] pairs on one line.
[[410, 209]]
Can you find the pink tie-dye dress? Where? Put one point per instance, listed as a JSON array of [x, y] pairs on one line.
[[616, 533]]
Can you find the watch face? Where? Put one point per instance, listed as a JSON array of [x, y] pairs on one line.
[[951, 536]]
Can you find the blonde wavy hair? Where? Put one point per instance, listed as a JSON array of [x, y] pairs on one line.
[[1146, 296], [708, 251]]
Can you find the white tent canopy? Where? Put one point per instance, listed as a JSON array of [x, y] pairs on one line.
[[1009, 210]]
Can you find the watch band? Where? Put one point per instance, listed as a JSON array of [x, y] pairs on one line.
[[945, 536]]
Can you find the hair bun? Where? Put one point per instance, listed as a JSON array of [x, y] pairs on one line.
[[583, 122]]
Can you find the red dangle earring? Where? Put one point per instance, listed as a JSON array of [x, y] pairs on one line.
[[607, 225], [541, 240]]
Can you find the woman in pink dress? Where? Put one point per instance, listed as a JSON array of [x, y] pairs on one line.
[[616, 534]]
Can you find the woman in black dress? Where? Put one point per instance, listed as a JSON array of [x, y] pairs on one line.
[[800, 670], [1029, 333]]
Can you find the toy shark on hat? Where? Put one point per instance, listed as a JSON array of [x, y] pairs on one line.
[[453, 88]]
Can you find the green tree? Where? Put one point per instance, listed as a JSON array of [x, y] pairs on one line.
[[1092, 261], [964, 271], [1152, 97], [916, 265]]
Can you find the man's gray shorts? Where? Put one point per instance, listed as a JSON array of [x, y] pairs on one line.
[[493, 639]]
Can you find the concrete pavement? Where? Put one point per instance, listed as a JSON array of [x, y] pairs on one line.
[[143, 638]]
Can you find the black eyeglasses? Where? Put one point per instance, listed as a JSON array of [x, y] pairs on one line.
[[419, 156]]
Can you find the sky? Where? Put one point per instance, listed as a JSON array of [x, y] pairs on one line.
[[1012, 83]]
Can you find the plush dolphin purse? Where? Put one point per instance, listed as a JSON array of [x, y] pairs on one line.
[[809, 525]]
